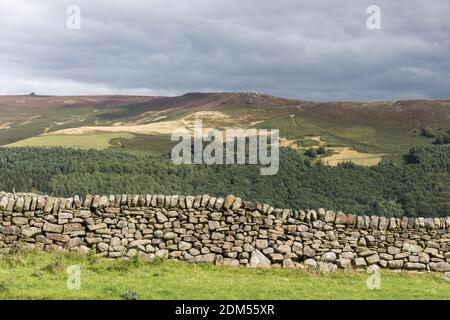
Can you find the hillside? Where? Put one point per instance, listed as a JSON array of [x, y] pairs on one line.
[[360, 132]]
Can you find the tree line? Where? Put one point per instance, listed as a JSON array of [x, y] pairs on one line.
[[418, 185]]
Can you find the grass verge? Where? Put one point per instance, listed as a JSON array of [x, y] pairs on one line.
[[32, 275]]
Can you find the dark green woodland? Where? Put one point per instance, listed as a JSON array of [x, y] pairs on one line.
[[416, 185]]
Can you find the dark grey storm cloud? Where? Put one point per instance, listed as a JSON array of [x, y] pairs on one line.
[[319, 50]]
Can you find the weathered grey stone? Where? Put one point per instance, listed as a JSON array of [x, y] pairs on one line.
[[404, 223], [10, 230], [55, 228], [309, 252], [70, 227], [359, 263], [197, 202], [393, 250], [217, 236], [57, 237], [408, 247], [174, 201], [311, 263], [395, 264], [3, 203], [95, 201], [161, 217], [440, 266], [182, 245], [102, 246], [327, 267], [219, 203], [49, 203], [230, 262], [414, 266], [65, 215], [194, 252], [216, 216], [83, 213], [160, 200], [140, 242], [424, 257], [236, 204], [329, 257], [31, 231], [258, 260], [213, 225], [367, 253], [164, 254], [211, 202], [276, 257], [115, 241], [282, 248], [83, 250], [392, 224], [261, 244], [97, 226], [372, 259], [402, 255], [330, 216], [348, 255], [170, 235], [386, 256], [343, 263], [189, 202], [104, 201], [297, 248], [383, 223], [432, 251], [288, 263], [18, 206], [20, 221], [204, 258]]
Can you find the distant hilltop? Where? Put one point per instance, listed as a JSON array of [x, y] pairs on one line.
[[361, 132]]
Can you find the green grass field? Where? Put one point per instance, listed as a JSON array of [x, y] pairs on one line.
[[31, 275], [362, 138]]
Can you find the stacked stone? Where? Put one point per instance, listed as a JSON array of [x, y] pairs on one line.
[[225, 231]]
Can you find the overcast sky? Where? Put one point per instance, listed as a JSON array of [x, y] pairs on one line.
[[315, 50]]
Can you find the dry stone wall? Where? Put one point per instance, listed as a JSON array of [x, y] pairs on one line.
[[223, 231]]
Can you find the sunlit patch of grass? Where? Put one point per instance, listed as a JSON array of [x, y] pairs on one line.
[[83, 141]]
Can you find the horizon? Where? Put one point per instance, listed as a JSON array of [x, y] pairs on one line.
[[38, 95]]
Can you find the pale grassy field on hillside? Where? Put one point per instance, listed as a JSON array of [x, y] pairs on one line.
[[345, 154], [85, 141]]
